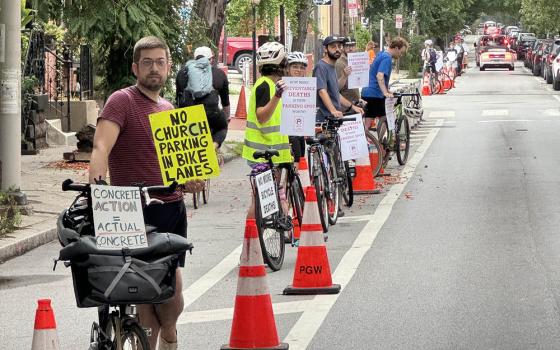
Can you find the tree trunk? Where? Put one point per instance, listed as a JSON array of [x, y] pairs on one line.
[[298, 42], [212, 13]]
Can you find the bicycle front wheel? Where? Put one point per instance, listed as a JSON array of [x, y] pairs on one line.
[[271, 238], [384, 141], [402, 144], [346, 186], [134, 337], [317, 176], [331, 184]]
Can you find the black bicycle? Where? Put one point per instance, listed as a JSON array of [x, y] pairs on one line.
[[276, 229], [115, 281]]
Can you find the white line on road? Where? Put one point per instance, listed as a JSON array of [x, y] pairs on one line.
[[290, 307], [506, 120], [495, 112], [441, 114], [308, 324], [556, 97]]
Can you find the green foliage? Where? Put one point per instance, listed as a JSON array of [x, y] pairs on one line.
[[362, 36], [541, 16], [10, 215], [239, 18], [113, 27], [27, 15]]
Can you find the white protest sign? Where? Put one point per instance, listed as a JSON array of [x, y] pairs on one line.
[[359, 78], [299, 103], [353, 144], [267, 193], [390, 112], [451, 55], [117, 217]]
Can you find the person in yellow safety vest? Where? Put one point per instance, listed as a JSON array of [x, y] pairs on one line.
[[262, 131]]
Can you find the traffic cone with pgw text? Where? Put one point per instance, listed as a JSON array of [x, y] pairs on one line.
[[312, 273], [241, 111], [253, 325], [44, 333]]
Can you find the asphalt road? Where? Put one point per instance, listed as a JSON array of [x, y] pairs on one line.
[[460, 252]]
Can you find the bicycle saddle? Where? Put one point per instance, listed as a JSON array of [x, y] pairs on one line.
[[320, 138], [268, 154]]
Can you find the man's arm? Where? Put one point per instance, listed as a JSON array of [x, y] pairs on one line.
[[324, 95], [106, 135], [381, 81], [348, 104]]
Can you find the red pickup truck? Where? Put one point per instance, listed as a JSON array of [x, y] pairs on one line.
[[238, 51]]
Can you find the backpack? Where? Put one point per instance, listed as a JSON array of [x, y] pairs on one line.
[[433, 56], [199, 73]]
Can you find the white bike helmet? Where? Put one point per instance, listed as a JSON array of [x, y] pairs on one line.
[[297, 57], [271, 53], [428, 42], [413, 112]]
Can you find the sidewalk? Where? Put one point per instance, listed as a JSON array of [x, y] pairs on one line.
[[43, 174]]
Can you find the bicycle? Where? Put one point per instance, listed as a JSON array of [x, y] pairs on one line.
[[329, 174], [397, 141], [273, 228], [115, 281], [203, 195]]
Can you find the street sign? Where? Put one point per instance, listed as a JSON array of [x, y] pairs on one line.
[[398, 21], [353, 8]]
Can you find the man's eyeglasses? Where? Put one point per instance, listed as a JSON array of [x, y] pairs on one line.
[[148, 63]]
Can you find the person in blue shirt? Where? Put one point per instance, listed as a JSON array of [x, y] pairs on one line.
[[379, 74]]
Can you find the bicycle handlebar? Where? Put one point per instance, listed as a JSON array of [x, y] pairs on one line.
[[69, 185]]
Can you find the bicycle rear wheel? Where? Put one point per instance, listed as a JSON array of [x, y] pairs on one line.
[[271, 238], [296, 201], [375, 153], [346, 186], [383, 134], [333, 191], [317, 175], [402, 144], [206, 192], [134, 337]]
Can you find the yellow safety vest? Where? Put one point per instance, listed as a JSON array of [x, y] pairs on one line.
[[260, 137]]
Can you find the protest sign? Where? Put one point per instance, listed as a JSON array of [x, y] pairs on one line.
[[267, 193], [353, 144], [299, 103], [117, 217], [359, 78], [390, 112], [184, 145]]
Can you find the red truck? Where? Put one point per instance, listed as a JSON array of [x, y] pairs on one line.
[[239, 50]]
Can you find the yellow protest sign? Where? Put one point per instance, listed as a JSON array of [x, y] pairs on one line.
[[184, 145]]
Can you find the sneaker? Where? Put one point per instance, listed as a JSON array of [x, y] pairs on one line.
[[164, 345]]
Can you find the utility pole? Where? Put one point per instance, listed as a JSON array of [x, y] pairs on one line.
[[10, 95]]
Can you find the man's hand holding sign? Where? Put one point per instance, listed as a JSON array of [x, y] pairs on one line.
[[184, 147]]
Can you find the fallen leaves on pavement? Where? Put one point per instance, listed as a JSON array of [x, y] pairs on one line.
[[64, 165]]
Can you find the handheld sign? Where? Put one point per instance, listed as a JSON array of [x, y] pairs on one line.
[[359, 78], [390, 112], [353, 144], [299, 103], [267, 193], [117, 217], [184, 145]]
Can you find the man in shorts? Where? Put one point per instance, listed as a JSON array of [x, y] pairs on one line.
[[123, 145], [379, 75]]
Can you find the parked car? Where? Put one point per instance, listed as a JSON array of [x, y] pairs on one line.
[[530, 53], [556, 72], [537, 57], [239, 50], [523, 46], [497, 57], [546, 49], [549, 56]]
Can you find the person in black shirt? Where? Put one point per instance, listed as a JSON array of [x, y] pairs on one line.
[[217, 118]]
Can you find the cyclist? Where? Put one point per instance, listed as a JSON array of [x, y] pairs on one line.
[[343, 71], [379, 74], [202, 69], [297, 66], [329, 99], [460, 53], [262, 131], [123, 145], [429, 56]]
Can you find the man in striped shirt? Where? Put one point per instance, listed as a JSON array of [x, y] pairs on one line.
[[123, 145]]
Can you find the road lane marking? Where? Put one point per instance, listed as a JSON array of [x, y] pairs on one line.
[[204, 283], [506, 120], [552, 112], [225, 314], [556, 97], [441, 114], [495, 112], [302, 333]]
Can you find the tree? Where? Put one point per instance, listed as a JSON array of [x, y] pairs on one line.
[[113, 27], [206, 22]]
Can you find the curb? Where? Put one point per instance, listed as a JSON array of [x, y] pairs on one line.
[[26, 244]]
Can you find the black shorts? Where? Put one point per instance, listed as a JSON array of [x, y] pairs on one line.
[[298, 147], [375, 107], [168, 217]]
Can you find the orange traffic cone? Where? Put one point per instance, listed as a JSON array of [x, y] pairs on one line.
[[312, 274], [296, 226], [364, 183], [426, 91], [446, 80], [303, 171], [253, 324], [241, 111], [44, 333]]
